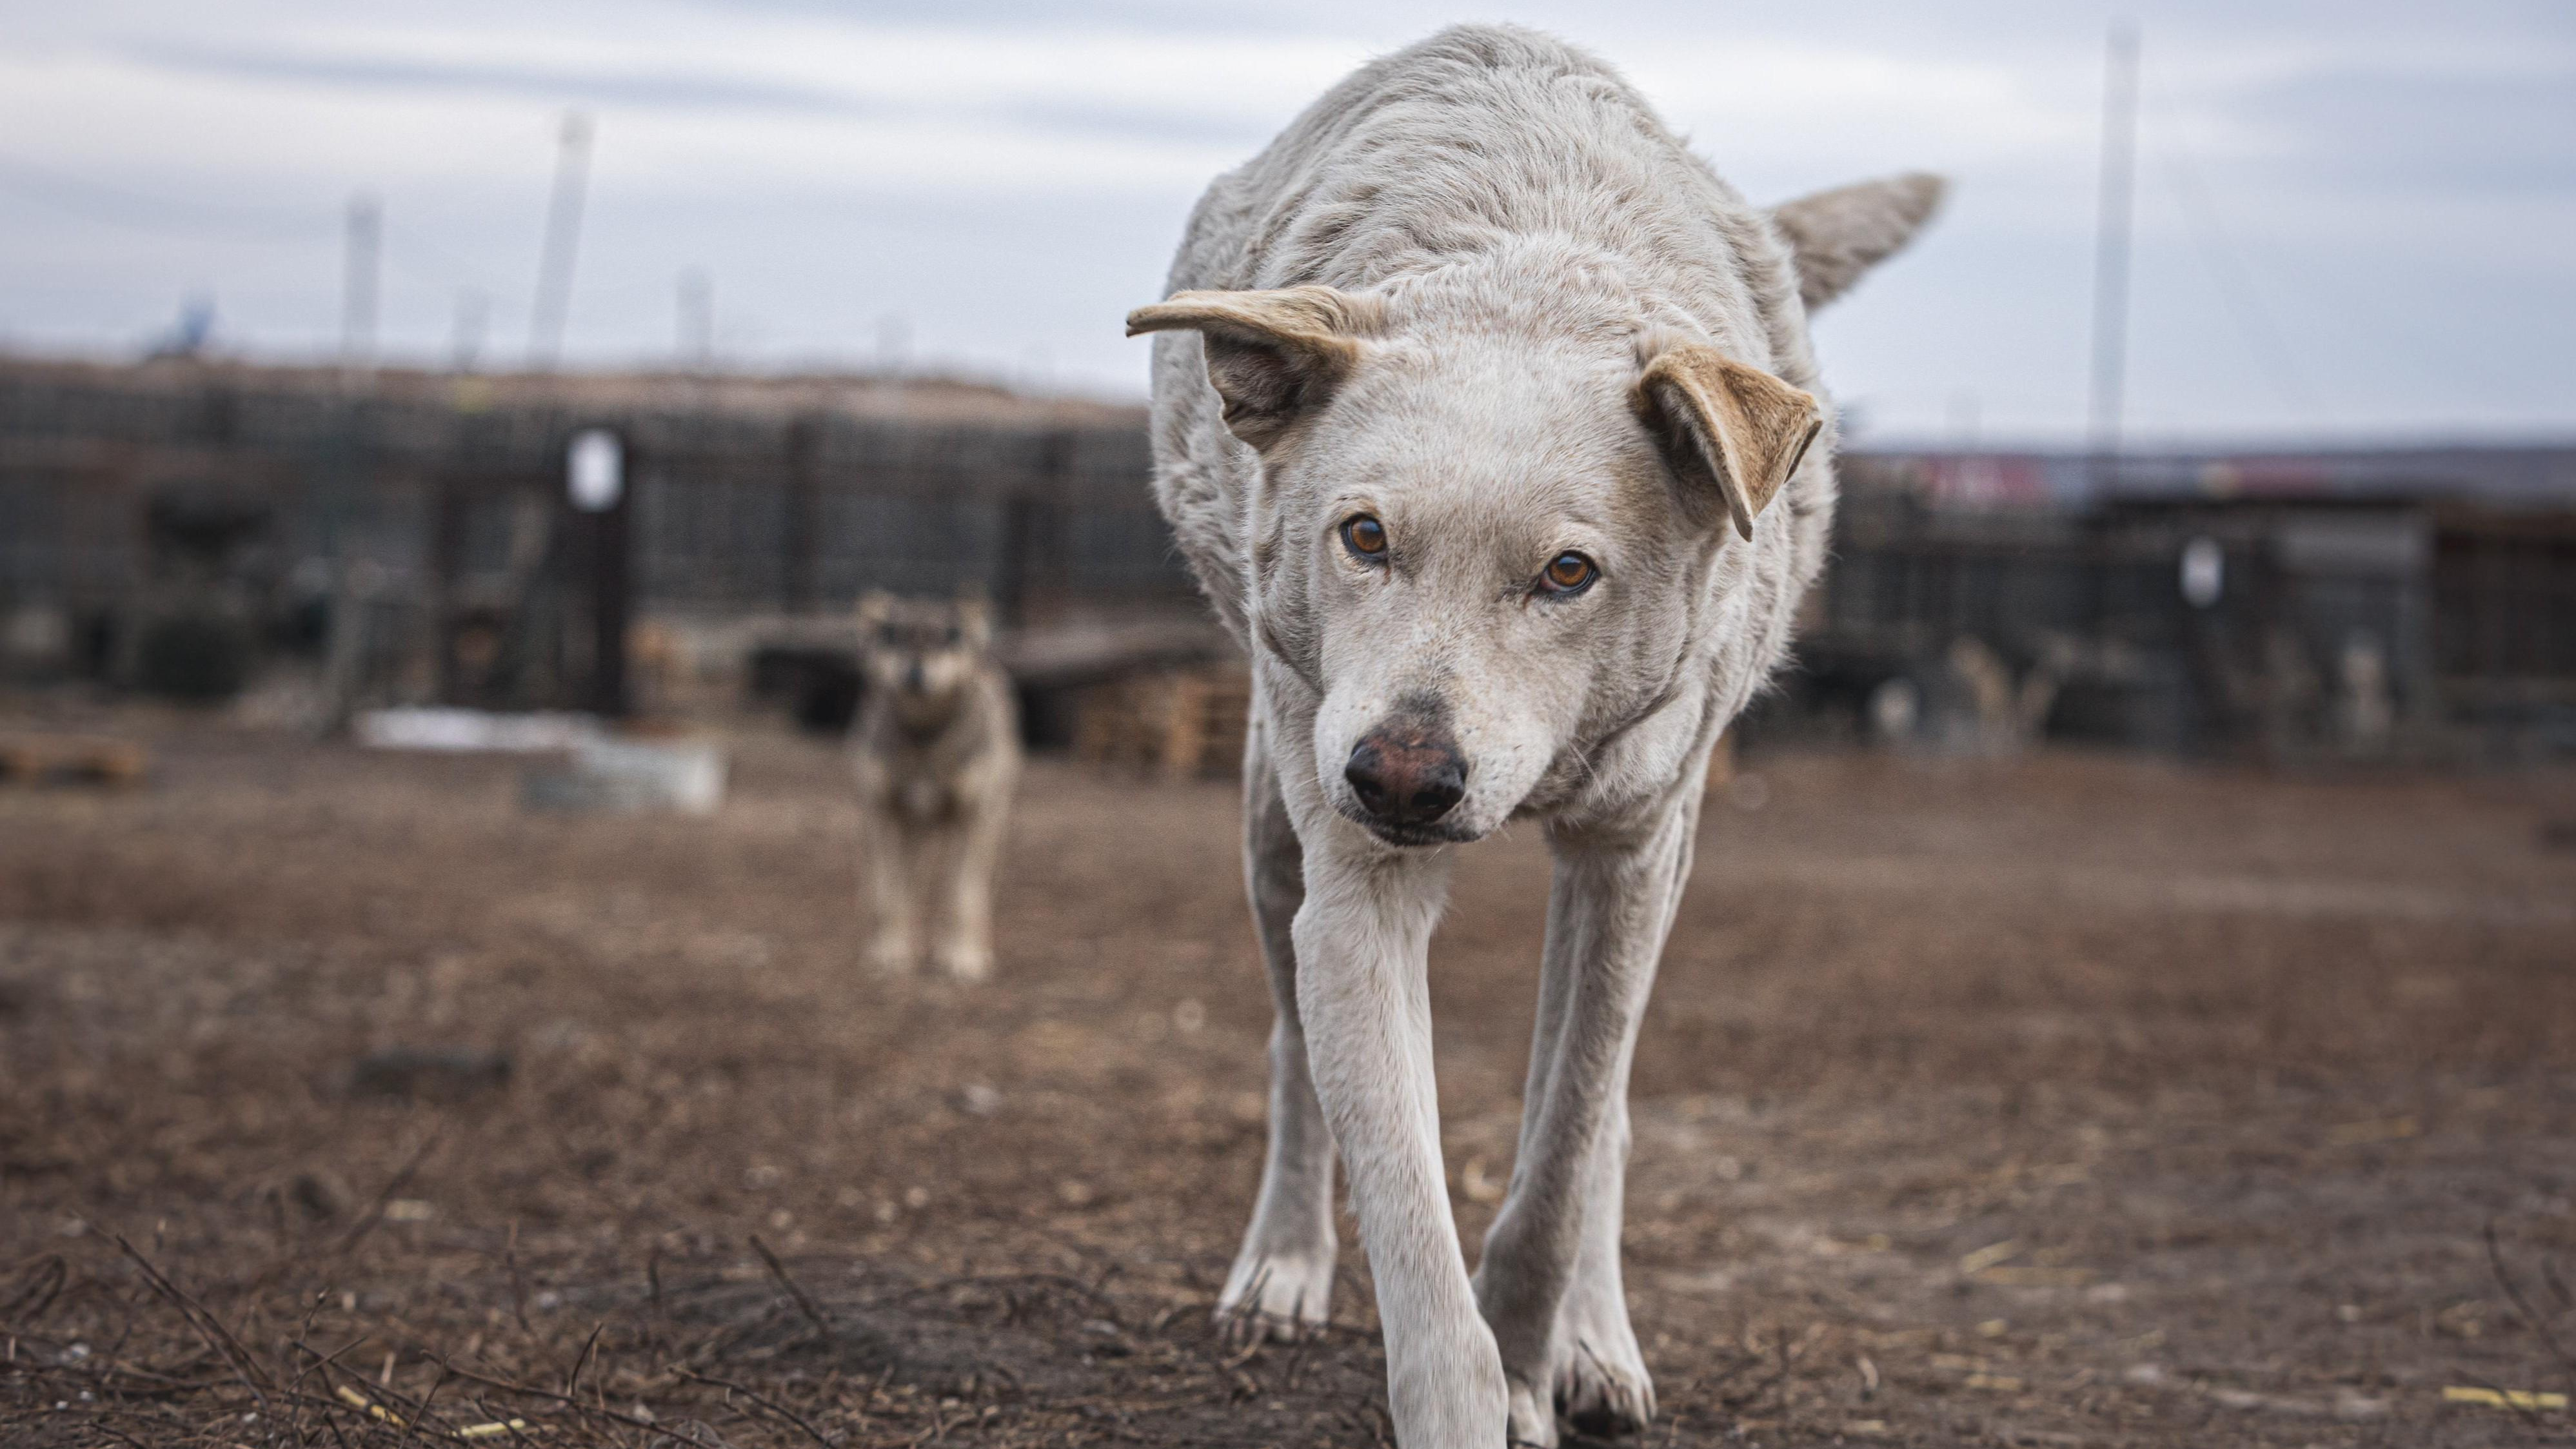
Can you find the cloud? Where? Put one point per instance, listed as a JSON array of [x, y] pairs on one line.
[[1007, 174]]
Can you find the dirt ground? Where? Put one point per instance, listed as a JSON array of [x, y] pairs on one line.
[[2077, 1101]]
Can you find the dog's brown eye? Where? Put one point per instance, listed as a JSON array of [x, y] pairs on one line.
[[1364, 536], [1569, 573]]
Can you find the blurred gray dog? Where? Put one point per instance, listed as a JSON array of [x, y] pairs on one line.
[[938, 750], [1486, 417]]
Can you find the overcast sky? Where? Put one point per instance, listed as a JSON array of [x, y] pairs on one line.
[[2355, 219]]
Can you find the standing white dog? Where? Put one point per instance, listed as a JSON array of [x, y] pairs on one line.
[[1489, 424]]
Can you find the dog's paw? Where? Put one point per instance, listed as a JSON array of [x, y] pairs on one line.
[[963, 961], [892, 956], [1602, 1388], [1279, 1298], [1531, 1420]]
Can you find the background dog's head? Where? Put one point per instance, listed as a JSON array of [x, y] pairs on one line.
[[1510, 510], [921, 651]]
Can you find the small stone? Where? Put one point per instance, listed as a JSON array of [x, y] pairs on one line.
[[320, 1193], [437, 1074]]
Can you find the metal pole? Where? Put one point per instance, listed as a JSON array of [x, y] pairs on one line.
[[562, 245], [473, 315], [2111, 250], [358, 281], [697, 320], [611, 604]]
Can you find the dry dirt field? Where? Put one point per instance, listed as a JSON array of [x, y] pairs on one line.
[[2081, 1101]]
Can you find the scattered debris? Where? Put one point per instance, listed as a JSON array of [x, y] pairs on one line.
[[435, 1074], [1988, 1256], [320, 1193], [475, 731], [2502, 1398], [2026, 1276], [359, 1401], [47, 759], [608, 775], [2347, 1403], [2388, 1129]]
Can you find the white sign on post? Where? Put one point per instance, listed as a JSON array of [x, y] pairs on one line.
[[595, 470], [2204, 572]]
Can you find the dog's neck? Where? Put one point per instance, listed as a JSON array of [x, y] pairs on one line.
[[924, 717]]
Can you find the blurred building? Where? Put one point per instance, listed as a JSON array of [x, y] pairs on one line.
[[2297, 606], [412, 537], [416, 531]]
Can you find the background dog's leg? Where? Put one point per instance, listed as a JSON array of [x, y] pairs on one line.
[[1361, 940], [891, 899], [1282, 1281], [972, 849], [1549, 1280]]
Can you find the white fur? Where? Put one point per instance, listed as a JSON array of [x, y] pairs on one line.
[[1490, 237]]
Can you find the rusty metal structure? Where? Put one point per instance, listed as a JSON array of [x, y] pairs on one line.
[[435, 508], [2363, 605], [412, 535]]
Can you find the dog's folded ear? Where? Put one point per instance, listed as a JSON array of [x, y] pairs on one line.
[[1839, 234], [1272, 356], [875, 607], [1744, 428]]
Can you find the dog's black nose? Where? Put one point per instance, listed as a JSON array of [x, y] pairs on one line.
[[1407, 774]]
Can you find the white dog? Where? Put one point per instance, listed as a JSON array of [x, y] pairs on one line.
[[1487, 420]]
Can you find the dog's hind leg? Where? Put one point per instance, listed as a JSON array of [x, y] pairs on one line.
[[1549, 1281], [1282, 1281]]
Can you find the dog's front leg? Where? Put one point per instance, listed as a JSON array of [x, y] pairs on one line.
[[891, 897], [1549, 1279], [1361, 941], [965, 946]]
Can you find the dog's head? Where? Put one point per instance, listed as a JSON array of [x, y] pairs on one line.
[[1498, 521], [921, 651]]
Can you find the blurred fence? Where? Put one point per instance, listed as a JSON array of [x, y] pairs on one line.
[[2389, 613], [412, 532], [436, 508]]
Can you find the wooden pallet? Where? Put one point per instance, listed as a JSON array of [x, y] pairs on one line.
[[1181, 724], [35, 759]]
